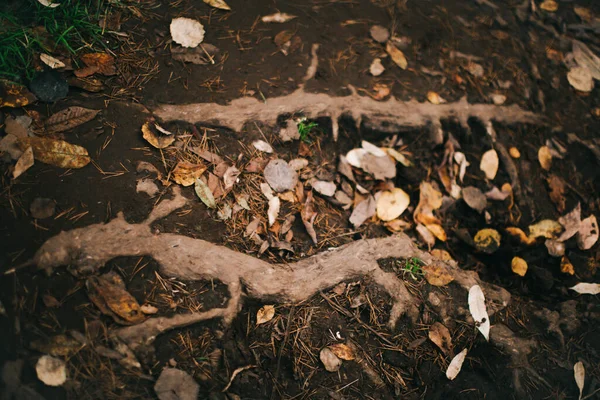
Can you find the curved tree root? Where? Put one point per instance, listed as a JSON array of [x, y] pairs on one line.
[[88, 249]]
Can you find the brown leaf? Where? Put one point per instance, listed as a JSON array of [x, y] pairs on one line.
[[108, 293], [430, 199], [86, 71], [69, 118], [14, 95], [437, 274], [363, 211], [342, 351], [204, 54], [89, 84], [186, 173], [155, 136], [571, 222], [437, 231], [557, 192], [56, 152], [566, 267], [24, 163], [474, 198], [440, 336], [283, 41], [397, 55], [105, 63], [308, 215]]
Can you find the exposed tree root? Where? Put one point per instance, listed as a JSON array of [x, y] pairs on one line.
[[385, 116], [87, 249]]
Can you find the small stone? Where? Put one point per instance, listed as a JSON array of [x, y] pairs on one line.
[[49, 86]]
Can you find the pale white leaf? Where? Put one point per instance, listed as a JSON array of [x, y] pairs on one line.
[[489, 164], [220, 4], [298, 163], [363, 211], [265, 314], [456, 365], [391, 204], [354, 157], [273, 212], [52, 371], [230, 177], [581, 79], [588, 233], [51, 61], [331, 362], [376, 67], [280, 176], [371, 148], [263, 146], [462, 162], [325, 188], [266, 190], [279, 18], [49, 3], [579, 371], [479, 311], [586, 288], [187, 32]]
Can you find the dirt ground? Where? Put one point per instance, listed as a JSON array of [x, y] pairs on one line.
[[282, 355]]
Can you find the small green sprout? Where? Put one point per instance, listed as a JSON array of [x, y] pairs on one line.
[[413, 266], [305, 128]]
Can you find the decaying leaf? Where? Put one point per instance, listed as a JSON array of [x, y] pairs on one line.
[[581, 79], [379, 33], [325, 188], [155, 135], [265, 314], [69, 118], [108, 293], [474, 198], [376, 67], [23, 163], [280, 176], [205, 194], [497, 194], [475, 69], [519, 234], [330, 361], [478, 310], [263, 146], [587, 288], [308, 215], [220, 4], [430, 199], [588, 233], [399, 157], [566, 267], [187, 32], [230, 177], [52, 371], [42, 208], [58, 345], [56, 152], [487, 240], [397, 55], [579, 372], [391, 204], [175, 384], [441, 254], [518, 266], [571, 222], [462, 162], [440, 336], [51, 61], [342, 351], [489, 164], [14, 95], [186, 173], [456, 365], [557, 191], [102, 63], [546, 228], [363, 211], [278, 18], [437, 274], [273, 211]]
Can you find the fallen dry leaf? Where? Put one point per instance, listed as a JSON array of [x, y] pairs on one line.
[[220, 4], [579, 373], [89, 84], [280, 176], [474, 198], [155, 135], [440, 336], [430, 199], [263, 146], [571, 222], [102, 63], [462, 162], [546, 228], [397, 225], [278, 18], [489, 164], [425, 235], [566, 267], [549, 5], [581, 79], [363, 211], [148, 309], [376, 67], [555, 248], [588, 233], [487, 240], [545, 157], [175, 384], [437, 231], [49, 3], [52, 371], [519, 234], [56, 152], [108, 293], [391, 204], [441, 254], [187, 32], [203, 54], [435, 98], [518, 266], [342, 351], [586, 58], [456, 365], [42, 208], [330, 361], [69, 118], [557, 192], [205, 194], [14, 95], [514, 152], [186, 173], [325, 188], [273, 211], [379, 33], [23, 163], [586, 288], [265, 314], [51, 61], [478, 310], [308, 215], [397, 55], [437, 274], [399, 157], [230, 177]]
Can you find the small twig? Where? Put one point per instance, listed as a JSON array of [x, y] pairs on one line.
[[235, 373], [285, 339]]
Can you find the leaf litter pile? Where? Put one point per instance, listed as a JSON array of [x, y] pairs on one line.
[[405, 248]]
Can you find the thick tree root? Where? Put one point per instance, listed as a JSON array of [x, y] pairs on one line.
[[385, 116], [87, 249]]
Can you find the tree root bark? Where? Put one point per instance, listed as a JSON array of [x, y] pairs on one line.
[[385, 116], [88, 249]]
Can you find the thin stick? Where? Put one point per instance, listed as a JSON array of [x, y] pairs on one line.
[[235, 373]]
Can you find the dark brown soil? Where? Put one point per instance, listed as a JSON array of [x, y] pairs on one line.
[[285, 352]]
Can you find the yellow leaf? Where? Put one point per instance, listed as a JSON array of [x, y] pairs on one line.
[[547, 228], [56, 152], [186, 173], [545, 157], [518, 233], [549, 5], [397, 55], [14, 95], [265, 314], [342, 351], [152, 134], [435, 98], [487, 240], [441, 254], [566, 267], [220, 4], [519, 266], [437, 274], [514, 152], [437, 231]]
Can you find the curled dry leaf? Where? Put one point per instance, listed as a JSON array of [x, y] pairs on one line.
[[265, 314], [456, 365], [487, 240], [342, 351], [263, 146], [330, 361], [230, 177], [566, 267], [325, 188], [489, 164], [518, 266], [154, 134], [391, 204], [363, 211], [279, 18], [437, 274], [437, 231], [581, 79], [23, 163], [546, 228], [308, 215], [205, 194], [220, 4], [587, 288], [478, 310], [430, 199], [56, 152], [273, 211], [588, 233], [187, 32], [497, 194], [462, 162], [399, 157], [376, 67], [69, 118], [52, 371], [440, 336], [519, 234], [474, 198], [579, 372], [51, 61], [186, 173], [108, 293], [397, 55]]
